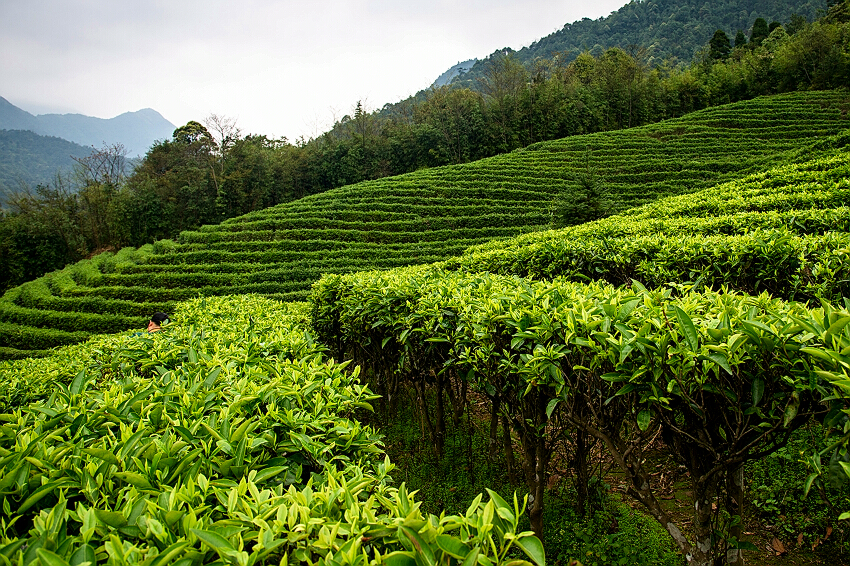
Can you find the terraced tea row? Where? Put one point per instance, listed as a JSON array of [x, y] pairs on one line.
[[422, 217], [722, 378], [784, 231]]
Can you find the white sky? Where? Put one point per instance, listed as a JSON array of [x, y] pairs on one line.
[[279, 67]]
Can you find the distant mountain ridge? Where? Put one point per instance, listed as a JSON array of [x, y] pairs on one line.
[[137, 131]]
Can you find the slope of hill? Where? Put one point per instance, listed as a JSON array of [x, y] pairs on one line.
[[785, 231], [455, 70], [667, 29], [417, 218], [254, 375], [135, 130], [26, 157], [628, 364]]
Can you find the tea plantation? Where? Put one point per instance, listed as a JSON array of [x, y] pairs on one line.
[[422, 217], [228, 438], [705, 325]]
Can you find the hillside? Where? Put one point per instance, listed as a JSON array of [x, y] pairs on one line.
[[31, 159], [234, 433], [784, 231], [658, 377], [454, 70], [421, 217], [669, 30], [135, 130]]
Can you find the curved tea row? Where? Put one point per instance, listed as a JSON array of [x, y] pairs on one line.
[[421, 217]]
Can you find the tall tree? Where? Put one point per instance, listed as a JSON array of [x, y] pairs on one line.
[[760, 32], [502, 82], [99, 179], [719, 47]]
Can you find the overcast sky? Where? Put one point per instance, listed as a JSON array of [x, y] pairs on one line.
[[279, 67]]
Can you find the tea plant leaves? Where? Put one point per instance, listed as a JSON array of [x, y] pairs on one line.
[[188, 447]]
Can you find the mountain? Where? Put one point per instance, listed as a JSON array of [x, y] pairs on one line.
[[668, 30], [456, 70], [135, 130], [32, 159]]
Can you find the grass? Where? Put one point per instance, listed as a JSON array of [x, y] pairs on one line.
[[780, 508]]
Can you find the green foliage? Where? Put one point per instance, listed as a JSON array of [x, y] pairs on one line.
[[663, 364], [587, 200], [668, 30], [777, 491], [613, 534], [445, 484], [781, 231], [759, 32], [202, 176], [437, 213], [226, 437], [616, 535], [720, 46], [26, 157]]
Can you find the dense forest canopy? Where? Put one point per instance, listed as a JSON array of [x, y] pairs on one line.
[[671, 31]]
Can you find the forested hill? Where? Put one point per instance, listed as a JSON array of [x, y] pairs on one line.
[[668, 29], [31, 159]]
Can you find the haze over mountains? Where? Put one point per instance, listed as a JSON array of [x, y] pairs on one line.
[[28, 159], [135, 130]]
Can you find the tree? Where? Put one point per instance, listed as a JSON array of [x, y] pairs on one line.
[[740, 39], [503, 80], [456, 113], [838, 11], [193, 133], [223, 131], [586, 200], [760, 32], [719, 46], [795, 23], [105, 166], [39, 232], [224, 134], [173, 187], [100, 177]]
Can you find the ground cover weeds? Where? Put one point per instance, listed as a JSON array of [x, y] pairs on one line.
[[777, 493], [611, 534]]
